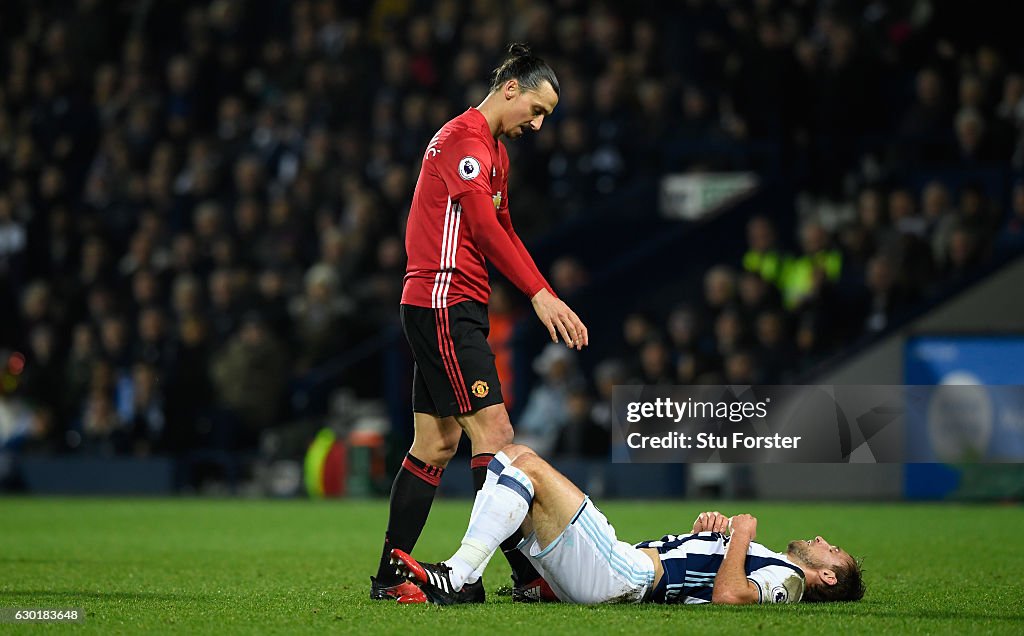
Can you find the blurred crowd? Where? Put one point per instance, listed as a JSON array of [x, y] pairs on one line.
[[203, 200], [777, 313]]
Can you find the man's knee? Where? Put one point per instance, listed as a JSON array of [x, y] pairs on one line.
[[436, 455], [436, 447], [499, 428], [491, 429], [531, 464], [513, 451]]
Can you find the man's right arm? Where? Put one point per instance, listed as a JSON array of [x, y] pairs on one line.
[[732, 587]]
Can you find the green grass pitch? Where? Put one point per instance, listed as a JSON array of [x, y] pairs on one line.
[[234, 566]]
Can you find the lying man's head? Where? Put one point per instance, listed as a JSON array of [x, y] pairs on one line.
[[831, 573]]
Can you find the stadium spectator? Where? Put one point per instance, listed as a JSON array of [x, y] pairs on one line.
[[225, 306], [963, 253], [774, 348], [976, 211], [42, 378], [15, 423], [101, 430], [271, 301], [756, 295], [546, 409], [655, 364], [1011, 237], [763, 256], [855, 246], [685, 330], [152, 340], [819, 260], [36, 307], [741, 368], [719, 292], [906, 247], [872, 218], [926, 125], [607, 375], [143, 412], [83, 353], [188, 385], [973, 141], [381, 290], [939, 216], [582, 436], [885, 296], [13, 240], [318, 318], [731, 334], [568, 275], [249, 377]]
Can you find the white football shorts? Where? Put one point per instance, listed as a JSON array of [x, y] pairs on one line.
[[587, 564]]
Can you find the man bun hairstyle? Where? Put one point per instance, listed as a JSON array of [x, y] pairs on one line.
[[521, 64]]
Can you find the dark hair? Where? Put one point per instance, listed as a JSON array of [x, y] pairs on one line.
[[521, 64], [849, 585]]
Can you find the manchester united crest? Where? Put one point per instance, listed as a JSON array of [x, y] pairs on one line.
[[480, 389]]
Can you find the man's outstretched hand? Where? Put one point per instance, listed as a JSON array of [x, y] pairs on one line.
[[560, 320]]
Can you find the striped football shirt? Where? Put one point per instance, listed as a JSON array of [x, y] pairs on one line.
[[691, 562]]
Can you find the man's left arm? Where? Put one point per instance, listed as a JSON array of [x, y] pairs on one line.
[[732, 587], [506, 223]]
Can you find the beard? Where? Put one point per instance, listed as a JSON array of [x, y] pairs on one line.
[[802, 551]]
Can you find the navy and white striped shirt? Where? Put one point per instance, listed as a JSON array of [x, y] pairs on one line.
[[691, 562]]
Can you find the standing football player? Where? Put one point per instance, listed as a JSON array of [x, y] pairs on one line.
[[458, 222]]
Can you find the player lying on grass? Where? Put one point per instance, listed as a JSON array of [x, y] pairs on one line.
[[574, 547]]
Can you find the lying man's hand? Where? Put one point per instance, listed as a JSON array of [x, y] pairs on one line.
[[745, 525], [712, 521]]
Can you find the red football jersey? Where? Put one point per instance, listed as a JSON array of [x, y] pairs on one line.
[[446, 266]]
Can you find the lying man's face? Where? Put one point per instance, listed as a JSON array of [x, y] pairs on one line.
[[819, 553]]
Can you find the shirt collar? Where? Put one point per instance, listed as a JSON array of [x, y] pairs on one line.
[[481, 121]]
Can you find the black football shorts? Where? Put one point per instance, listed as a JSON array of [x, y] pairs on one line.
[[454, 371]]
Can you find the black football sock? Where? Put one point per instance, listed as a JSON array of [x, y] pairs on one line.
[[522, 570], [479, 467], [411, 497]]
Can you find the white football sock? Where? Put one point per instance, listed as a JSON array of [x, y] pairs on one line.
[[498, 464], [501, 510]]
